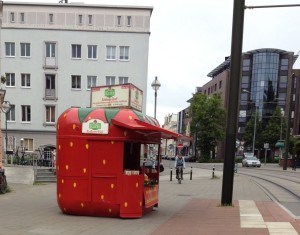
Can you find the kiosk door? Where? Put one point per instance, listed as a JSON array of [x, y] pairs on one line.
[[106, 166]]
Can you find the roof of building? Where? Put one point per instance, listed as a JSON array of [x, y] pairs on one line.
[[225, 65]]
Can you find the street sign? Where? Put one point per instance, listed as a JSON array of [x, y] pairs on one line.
[[180, 146], [266, 145]]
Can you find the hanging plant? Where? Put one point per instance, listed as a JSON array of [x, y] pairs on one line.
[[3, 79]]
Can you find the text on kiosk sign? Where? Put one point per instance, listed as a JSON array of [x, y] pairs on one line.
[[126, 95]]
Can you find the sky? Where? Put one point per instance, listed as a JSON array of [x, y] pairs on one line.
[[190, 38]]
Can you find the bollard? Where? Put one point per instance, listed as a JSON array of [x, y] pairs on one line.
[[213, 172], [191, 173], [171, 174]]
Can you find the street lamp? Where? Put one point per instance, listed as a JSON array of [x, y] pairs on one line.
[[254, 131], [155, 85], [5, 109]]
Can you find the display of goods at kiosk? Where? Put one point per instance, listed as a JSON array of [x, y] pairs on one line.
[[98, 162]]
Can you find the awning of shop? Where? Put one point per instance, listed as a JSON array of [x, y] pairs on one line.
[[147, 128], [279, 144]]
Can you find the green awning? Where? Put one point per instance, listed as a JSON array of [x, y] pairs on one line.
[[279, 144]]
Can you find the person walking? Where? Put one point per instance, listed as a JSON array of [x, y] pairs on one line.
[[294, 163]]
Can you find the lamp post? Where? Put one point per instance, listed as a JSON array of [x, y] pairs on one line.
[[254, 129], [2, 95], [5, 109], [155, 85]]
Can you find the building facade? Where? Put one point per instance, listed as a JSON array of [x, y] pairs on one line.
[[168, 147], [265, 81], [52, 54]]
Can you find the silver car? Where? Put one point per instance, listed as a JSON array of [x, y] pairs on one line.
[[251, 161]]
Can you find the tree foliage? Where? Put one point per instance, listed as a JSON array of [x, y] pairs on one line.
[[208, 122], [269, 133]]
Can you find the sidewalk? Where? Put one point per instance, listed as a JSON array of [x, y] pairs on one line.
[[192, 207]]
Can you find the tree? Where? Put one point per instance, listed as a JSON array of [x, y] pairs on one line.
[[250, 128], [275, 129], [208, 122]]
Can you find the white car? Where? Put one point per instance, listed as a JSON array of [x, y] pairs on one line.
[[251, 161]]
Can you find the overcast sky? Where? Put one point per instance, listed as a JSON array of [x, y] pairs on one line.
[[190, 38]]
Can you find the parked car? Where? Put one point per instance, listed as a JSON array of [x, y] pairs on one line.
[[251, 161]]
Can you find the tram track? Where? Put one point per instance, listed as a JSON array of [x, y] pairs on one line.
[[271, 193]]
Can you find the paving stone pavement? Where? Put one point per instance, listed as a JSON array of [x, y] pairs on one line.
[[192, 207]]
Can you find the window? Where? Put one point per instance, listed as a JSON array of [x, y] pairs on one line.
[[28, 144], [91, 81], [10, 49], [110, 52], [92, 52], [51, 18], [80, 19], [119, 18], [26, 113], [22, 17], [128, 20], [246, 64], [220, 84], [124, 53], [10, 80], [11, 115], [76, 82], [50, 114], [123, 80], [110, 80], [25, 80], [76, 51], [25, 49], [50, 86], [12, 17], [284, 64], [50, 49], [90, 19]]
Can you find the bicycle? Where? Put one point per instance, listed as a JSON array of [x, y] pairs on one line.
[[179, 173], [3, 182]]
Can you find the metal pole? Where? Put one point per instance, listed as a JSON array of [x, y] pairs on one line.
[[254, 131], [287, 134], [233, 91], [155, 97], [6, 133], [265, 156]]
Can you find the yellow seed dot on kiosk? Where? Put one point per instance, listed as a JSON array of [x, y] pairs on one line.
[[67, 167], [125, 204], [71, 144], [74, 126], [58, 127], [84, 170], [140, 203], [103, 161], [112, 142], [62, 181], [87, 146], [59, 195], [130, 117], [74, 184], [136, 184], [59, 147], [102, 197], [109, 210], [82, 205]]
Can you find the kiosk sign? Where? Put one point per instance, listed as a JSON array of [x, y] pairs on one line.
[[95, 126], [117, 96]]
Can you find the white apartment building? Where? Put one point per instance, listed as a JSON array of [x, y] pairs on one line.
[[52, 54], [169, 145]]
